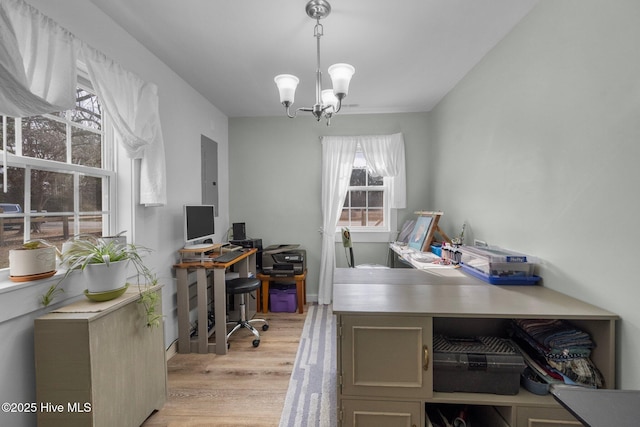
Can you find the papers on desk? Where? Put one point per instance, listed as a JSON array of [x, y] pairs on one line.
[[425, 257], [425, 261]]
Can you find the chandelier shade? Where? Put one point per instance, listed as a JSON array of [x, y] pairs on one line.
[[340, 78], [287, 84], [328, 101]]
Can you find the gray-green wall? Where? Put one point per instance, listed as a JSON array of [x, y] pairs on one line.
[[543, 137], [537, 149], [274, 172]]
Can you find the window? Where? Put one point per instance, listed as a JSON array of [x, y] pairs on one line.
[[365, 206], [60, 175]]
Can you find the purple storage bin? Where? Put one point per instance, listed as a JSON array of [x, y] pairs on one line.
[[283, 299]]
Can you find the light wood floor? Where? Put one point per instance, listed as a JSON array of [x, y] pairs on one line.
[[246, 387]]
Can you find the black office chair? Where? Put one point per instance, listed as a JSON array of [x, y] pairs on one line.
[[243, 286]]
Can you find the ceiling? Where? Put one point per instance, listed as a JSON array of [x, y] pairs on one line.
[[408, 54]]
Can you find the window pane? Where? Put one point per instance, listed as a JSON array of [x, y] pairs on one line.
[[15, 184], [343, 221], [91, 224], [376, 218], [358, 177], [86, 148], [44, 138], [51, 191], [359, 217], [53, 229], [375, 180], [376, 199], [11, 205], [88, 112], [90, 194], [11, 134], [358, 198]]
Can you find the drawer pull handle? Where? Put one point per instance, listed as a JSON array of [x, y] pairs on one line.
[[426, 358]]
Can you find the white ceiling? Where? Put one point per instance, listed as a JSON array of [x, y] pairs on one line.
[[407, 53]]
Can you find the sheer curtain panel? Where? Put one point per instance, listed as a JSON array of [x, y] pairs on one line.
[[337, 160], [132, 106]]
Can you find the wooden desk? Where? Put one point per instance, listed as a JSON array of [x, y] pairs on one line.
[[301, 284], [246, 264]]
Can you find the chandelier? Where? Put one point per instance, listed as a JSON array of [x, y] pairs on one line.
[[328, 102]]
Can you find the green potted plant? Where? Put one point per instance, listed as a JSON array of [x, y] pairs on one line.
[[104, 263]]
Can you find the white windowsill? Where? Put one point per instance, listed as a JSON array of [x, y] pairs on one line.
[[367, 236]]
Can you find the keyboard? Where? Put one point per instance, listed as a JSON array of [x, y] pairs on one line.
[[227, 256]]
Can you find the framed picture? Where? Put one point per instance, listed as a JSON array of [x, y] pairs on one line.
[[407, 228], [420, 232]]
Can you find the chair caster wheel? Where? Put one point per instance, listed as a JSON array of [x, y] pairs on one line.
[[265, 327], [256, 343]]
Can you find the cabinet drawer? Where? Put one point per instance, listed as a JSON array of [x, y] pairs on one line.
[[545, 417], [373, 413], [386, 356]]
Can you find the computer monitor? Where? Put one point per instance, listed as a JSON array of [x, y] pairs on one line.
[[198, 225]]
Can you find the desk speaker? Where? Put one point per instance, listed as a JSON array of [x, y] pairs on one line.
[[239, 231]]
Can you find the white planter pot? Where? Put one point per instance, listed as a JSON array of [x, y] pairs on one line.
[[105, 278], [31, 262]]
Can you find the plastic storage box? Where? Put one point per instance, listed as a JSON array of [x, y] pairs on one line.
[[283, 299], [476, 365], [498, 266]]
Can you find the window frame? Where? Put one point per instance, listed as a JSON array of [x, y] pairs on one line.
[[107, 171], [371, 233]]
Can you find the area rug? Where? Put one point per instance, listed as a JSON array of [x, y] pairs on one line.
[[311, 396]]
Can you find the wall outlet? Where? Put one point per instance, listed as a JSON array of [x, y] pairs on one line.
[[477, 242]]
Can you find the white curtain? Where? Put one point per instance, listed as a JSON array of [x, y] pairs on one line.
[[132, 106], [337, 160], [385, 157], [38, 60]]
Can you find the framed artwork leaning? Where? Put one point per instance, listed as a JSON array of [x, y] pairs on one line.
[[420, 232]]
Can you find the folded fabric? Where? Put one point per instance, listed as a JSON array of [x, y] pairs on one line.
[[561, 350], [557, 337]]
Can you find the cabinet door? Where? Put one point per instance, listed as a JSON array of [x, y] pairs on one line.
[[545, 417], [368, 413], [386, 356]]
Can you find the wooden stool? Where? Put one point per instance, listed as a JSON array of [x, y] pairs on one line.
[[301, 283]]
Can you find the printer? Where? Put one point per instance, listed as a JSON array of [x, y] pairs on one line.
[[284, 260]]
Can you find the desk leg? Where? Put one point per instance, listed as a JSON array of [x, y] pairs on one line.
[[265, 295], [184, 328], [220, 304], [203, 330], [301, 294]]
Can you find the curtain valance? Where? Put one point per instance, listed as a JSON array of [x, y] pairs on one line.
[[38, 75]]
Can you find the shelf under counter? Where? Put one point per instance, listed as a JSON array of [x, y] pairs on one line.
[[379, 310]]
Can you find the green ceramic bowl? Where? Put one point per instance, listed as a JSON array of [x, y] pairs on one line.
[[105, 296]]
